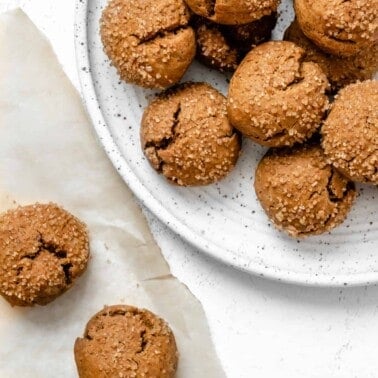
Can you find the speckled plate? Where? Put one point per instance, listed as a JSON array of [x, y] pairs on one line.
[[223, 220]]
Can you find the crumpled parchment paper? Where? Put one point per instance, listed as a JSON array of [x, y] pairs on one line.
[[48, 152]]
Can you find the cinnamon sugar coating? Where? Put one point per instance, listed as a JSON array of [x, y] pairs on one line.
[[43, 250], [300, 192], [186, 135], [342, 28], [340, 71], [123, 341], [350, 133], [275, 98], [149, 42], [233, 12]]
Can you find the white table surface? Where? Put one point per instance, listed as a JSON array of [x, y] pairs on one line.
[[260, 328]]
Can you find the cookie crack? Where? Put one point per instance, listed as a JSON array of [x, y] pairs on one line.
[[175, 29], [332, 195], [339, 39], [211, 4], [144, 341], [55, 251], [165, 142]]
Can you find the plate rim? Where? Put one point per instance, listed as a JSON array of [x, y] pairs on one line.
[[89, 97]]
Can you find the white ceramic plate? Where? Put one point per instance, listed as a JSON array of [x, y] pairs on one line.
[[223, 220]]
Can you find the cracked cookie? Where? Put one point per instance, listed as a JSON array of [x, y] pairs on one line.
[[124, 341], [43, 250], [233, 12], [186, 135], [300, 192], [340, 71], [275, 98], [350, 133], [224, 46], [341, 28], [149, 42]]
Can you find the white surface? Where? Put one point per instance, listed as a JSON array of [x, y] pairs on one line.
[[224, 220], [58, 159], [262, 329]]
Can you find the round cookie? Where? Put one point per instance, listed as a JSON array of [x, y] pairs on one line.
[[233, 12], [275, 98], [340, 71], [43, 250], [187, 137], [341, 28], [224, 46], [124, 341], [350, 132], [300, 192], [149, 42]]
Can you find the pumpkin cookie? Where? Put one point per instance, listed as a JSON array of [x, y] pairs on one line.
[[233, 12], [149, 42], [124, 341], [186, 135], [300, 192], [43, 250], [341, 28], [275, 98], [350, 133], [340, 71]]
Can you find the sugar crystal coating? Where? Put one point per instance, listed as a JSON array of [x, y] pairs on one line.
[[124, 341], [43, 250]]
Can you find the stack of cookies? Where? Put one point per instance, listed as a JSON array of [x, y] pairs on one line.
[[309, 98]]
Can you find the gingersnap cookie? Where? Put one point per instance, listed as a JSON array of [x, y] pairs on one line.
[[341, 28], [124, 341], [350, 132], [340, 71], [213, 48], [300, 192], [186, 135], [275, 98], [233, 12], [149, 42], [43, 250], [224, 46]]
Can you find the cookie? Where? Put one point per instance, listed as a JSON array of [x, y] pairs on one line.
[[300, 192], [340, 71], [233, 12], [350, 132], [124, 341], [342, 28], [186, 135], [149, 43], [224, 46], [275, 98], [213, 48], [43, 250]]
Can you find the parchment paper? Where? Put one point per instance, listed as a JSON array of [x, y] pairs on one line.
[[48, 153]]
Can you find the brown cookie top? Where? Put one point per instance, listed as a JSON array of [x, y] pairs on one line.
[[233, 12], [300, 192], [124, 341], [339, 27], [275, 98], [224, 46], [149, 42], [43, 250], [187, 137], [350, 133], [340, 71]]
